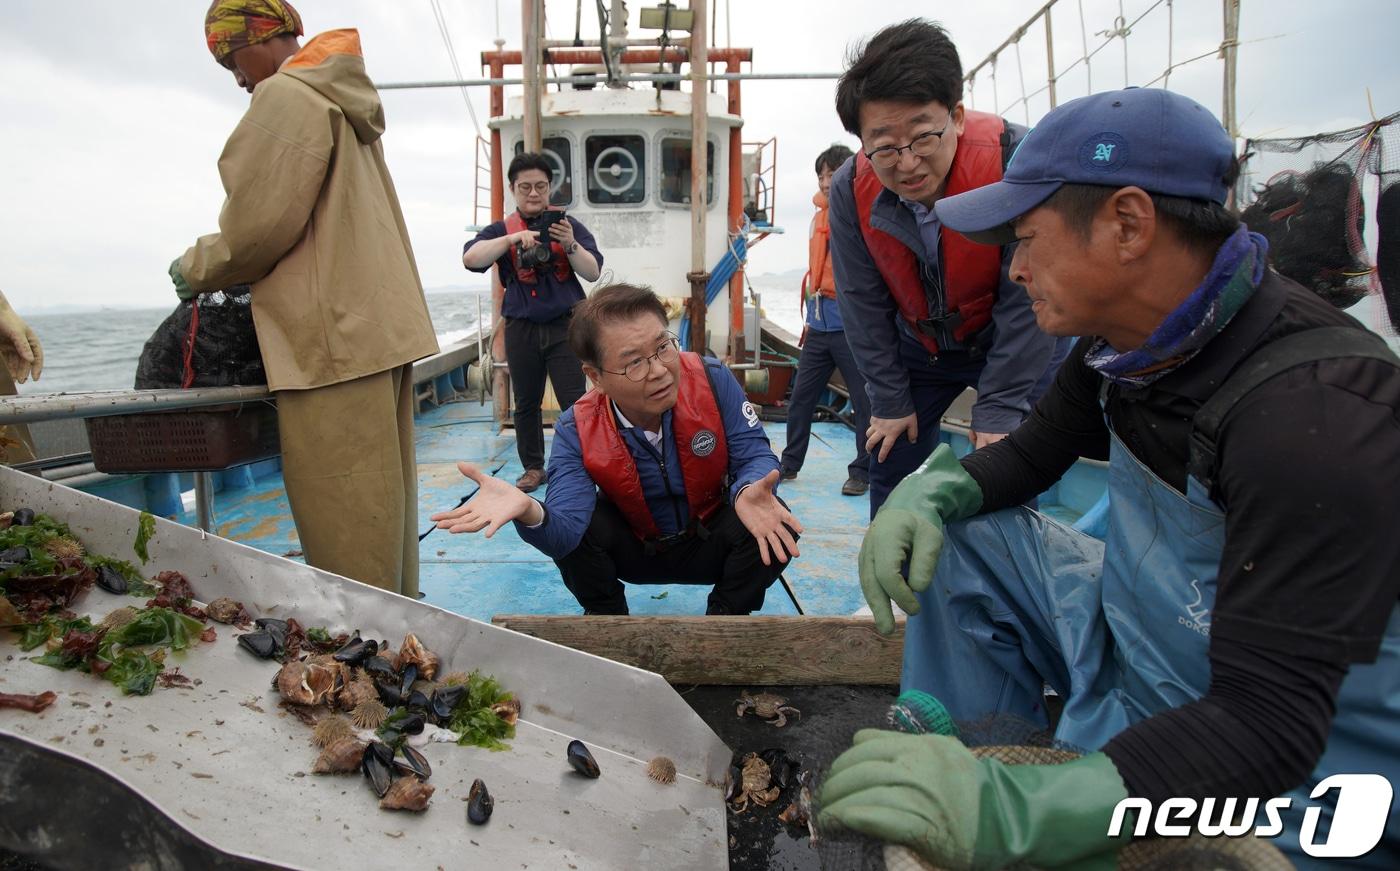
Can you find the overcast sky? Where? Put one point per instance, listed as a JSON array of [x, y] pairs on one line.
[[114, 118]]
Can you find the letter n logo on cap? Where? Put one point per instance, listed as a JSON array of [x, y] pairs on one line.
[[1103, 152]]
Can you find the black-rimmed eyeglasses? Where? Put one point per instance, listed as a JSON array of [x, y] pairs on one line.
[[922, 145]]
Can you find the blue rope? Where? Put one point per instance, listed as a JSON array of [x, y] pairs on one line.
[[720, 276]]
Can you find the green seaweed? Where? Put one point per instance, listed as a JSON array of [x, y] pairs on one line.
[[144, 530], [474, 721]]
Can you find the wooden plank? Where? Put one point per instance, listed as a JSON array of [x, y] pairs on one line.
[[790, 651]]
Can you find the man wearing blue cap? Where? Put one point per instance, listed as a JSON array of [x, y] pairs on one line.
[[1236, 636]]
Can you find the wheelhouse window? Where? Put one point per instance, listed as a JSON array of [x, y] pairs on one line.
[[675, 171], [559, 151], [617, 169]]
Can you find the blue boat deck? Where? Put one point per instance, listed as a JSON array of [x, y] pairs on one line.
[[477, 577]]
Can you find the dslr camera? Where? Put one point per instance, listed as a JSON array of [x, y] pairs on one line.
[[541, 254]]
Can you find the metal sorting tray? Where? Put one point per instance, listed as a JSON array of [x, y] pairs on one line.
[[201, 777]]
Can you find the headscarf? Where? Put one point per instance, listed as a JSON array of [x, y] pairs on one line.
[[234, 24]]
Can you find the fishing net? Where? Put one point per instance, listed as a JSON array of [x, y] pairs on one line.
[[208, 341], [1015, 741], [1313, 209]]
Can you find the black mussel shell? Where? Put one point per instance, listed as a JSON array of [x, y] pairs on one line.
[[444, 701], [260, 644], [582, 761], [14, 556], [108, 579], [23, 517], [356, 650], [378, 765], [389, 694], [412, 724], [417, 700], [782, 766], [274, 627], [414, 763], [379, 667], [409, 675], [479, 803]]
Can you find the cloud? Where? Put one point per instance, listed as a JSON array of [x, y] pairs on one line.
[[114, 121]]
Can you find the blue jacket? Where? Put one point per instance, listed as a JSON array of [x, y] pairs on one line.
[[550, 298], [571, 494], [1018, 354]]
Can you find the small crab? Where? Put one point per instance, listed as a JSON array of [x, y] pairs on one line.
[[773, 708], [755, 784]]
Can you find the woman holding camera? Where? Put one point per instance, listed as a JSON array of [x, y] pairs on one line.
[[541, 255]]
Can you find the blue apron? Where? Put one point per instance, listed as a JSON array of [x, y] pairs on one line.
[[1120, 629]]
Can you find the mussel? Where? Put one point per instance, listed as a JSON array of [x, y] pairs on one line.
[[783, 767], [356, 650], [274, 627], [734, 783], [479, 803], [108, 579], [582, 761], [378, 765], [260, 644], [412, 724], [13, 556], [414, 763], [379, 668], [408, 677], [389, 693], [417, 701], [444, 702], [23, 517]]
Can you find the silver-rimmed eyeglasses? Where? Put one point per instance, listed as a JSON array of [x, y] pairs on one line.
[[638, 369]]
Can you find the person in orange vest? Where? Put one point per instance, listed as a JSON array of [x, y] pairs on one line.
[[661, 474], [928, 313], [541, 290], [824, 345]]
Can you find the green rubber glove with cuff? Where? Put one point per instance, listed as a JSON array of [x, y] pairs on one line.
[[929, 793], [910, 526]]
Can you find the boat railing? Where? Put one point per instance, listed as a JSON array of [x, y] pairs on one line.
[[447, 376]]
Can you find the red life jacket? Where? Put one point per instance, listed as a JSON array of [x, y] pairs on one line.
[[526, 274], [971, 272], [700, 442]]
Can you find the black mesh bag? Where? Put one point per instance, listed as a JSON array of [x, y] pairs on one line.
[[208, 341]]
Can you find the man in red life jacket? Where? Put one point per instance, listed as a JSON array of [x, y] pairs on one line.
[[927, 313], [660, 474], [538, 301]]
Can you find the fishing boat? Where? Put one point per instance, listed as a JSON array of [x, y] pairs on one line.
[[646, 137]]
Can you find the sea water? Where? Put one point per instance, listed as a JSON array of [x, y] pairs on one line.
[[98, 350]]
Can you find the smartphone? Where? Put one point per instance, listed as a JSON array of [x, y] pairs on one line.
[[545, 220]]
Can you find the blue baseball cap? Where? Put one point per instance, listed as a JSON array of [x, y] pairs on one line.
[[1159, 141]]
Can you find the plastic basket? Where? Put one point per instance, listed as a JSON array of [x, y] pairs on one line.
[[204, 440]]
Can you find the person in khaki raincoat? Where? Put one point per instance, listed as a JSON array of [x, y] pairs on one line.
[[312, 222]]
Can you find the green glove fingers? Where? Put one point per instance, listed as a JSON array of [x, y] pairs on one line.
[[924, 552], [872, 591], [182, 287], [910, 526]]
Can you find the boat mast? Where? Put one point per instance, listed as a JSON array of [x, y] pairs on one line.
[[531, 11], [699, 275]]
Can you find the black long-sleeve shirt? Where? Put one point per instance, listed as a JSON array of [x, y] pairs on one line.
[[1309, 479]]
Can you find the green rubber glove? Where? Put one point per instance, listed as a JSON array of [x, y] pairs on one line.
[[929, 793], [910, 526], [182, 287]]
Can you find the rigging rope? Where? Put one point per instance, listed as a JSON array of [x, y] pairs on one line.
[[452, 56]]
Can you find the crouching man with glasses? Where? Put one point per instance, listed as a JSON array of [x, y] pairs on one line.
[[660, 474]]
